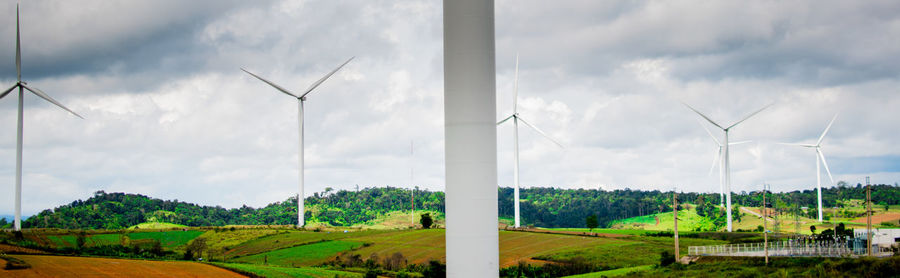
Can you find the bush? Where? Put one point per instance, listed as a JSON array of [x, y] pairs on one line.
[[666, 258], [435, 269], [14, 263], [426, 220]]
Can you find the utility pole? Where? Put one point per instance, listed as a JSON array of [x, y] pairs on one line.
[[765, 225], [675, 208], [412, 190], [868, 218]]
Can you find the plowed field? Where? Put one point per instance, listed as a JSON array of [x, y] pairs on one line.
[[59, 266]]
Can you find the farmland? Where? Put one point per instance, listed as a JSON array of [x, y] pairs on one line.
[[279, 272], [302, 255], [168, 239], [56, 266]]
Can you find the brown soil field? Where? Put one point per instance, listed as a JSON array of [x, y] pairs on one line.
[[11, 249], [522, 246], [879, 218], [59, 266], [515, 246], [576, 233]]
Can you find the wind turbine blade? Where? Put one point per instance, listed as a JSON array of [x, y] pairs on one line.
[[710, 133], [826, 130], [283, 90], [751, 115], [516, 87], [314, 85], [18, 48], [825, 163], [50, 99], [795, 144], [739, 142], [701, 115], [507, 119], [541, 132], [715, 161], [8, 90]]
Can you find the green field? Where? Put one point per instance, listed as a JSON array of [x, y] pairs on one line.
[[285, 239], [168, 239], [220, 240], [277, 272], [104, 239], [156, 225], [628, 252], [614, 272], [303, 255], [601, 231]]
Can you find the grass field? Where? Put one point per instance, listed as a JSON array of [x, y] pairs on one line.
[[401, 219], [601, 231], [219, 240], [418, 246], [613, 272], [104, 239], [629, 252], [168, 239], [156, 225], [688, 220], [303, 255], [285, 239], [60, 266], [278, 272]]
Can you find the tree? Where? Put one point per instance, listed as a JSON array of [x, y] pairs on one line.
[[812, 228], [591, 222], [196, 247], [426, 220], [666, 258]]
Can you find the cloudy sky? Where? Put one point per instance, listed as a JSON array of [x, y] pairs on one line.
[[169, 113]]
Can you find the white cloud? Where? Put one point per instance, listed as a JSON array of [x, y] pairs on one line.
[[169, 114]]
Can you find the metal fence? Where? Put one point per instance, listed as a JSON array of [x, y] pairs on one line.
[[787, 249]]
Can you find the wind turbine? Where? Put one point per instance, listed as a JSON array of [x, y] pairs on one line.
[[716, 161], [17, 223], [820, 160], [516, 118], [726, 160], [301, 98]]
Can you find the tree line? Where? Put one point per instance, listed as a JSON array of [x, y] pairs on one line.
[[540, 206]]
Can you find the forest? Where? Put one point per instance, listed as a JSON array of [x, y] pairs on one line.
[[540, 206]]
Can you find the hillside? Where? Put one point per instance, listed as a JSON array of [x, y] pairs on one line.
[[388, 206]]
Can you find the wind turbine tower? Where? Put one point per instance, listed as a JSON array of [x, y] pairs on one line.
[[301, 99], [515, 120], [470, 138], [726, 159], [820, 161], [716, 161], [22, 85]]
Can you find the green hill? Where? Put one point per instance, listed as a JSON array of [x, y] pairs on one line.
[[387, 207]]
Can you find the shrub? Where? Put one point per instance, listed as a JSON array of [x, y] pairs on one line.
[[426, 220], [666, 258]]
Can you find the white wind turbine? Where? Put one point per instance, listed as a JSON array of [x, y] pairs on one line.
[[516, 118], [820, 160], [726, 160], [716, 162], [17, 223], [301, 98]]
